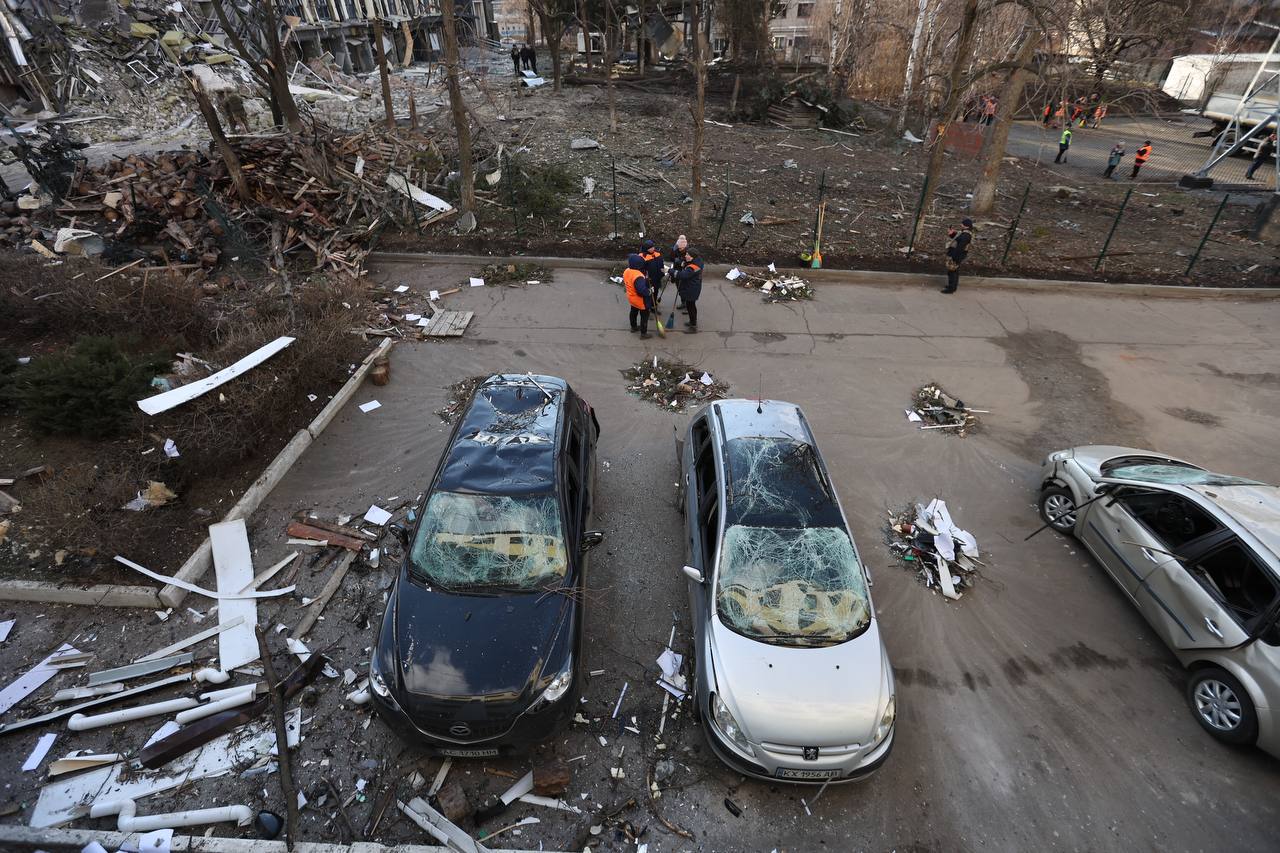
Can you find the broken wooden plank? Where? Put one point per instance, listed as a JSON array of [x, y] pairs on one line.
[[300, 530], [317, 606]]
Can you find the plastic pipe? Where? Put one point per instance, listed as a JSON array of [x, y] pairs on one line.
[[235, 700], [215, 695], [359, 697], [79, 722], [209, 675], [128, 821]]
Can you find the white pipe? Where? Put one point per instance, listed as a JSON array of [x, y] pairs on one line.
[[360, 696], [79, 722], [208, 709], [71, 693], [209, 675], [128, 820], [215, 695]]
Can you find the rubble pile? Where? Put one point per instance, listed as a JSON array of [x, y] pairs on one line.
[[773, 286], [936, 409], [460, 394], [944, 557], [673, 385], [323, 192], [515, 275]]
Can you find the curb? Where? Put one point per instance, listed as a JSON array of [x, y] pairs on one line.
[[24, 839], [1172, 291], [117, 595]]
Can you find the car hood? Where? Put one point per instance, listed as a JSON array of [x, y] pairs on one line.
[[451, 646], [1090, 457], [792, 696]]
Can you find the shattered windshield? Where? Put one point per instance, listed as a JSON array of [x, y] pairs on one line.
[[775, 482], [1177, 475], [470, 541], [792, 586]]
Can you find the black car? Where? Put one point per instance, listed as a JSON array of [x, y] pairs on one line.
[[479, 648]]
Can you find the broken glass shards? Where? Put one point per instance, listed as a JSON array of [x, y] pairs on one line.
[[673, 385], [792, 586], [925, 538], [469, 540], [938, 410], [459, 395]]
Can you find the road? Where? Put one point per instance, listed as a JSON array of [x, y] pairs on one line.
[[1037, 713], [1175, 152]]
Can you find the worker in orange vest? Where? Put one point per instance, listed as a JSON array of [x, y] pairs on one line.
[[1140, 158], [638, 294]]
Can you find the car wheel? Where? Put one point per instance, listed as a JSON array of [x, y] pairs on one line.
[[1058, 508], [1222, 707]]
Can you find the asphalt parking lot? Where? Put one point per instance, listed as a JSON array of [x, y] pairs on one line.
[[1038, 712]]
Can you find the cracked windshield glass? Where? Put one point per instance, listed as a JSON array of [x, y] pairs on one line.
[[477, 541]]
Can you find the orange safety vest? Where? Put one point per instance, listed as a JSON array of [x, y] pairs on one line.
[[629, 277], [1141, 155]]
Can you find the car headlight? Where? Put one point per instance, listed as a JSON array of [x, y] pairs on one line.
[[728, 726], [378, 684], [886, 722], [556, 688]]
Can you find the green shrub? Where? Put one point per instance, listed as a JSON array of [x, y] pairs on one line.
[[89, 390], [538, 189]]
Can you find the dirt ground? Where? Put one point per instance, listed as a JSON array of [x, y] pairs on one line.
[[1035, 712], [872, 187]]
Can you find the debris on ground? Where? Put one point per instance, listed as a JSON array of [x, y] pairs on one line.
[[460, 394], [515, 275], [773, 286], [925, 538], [673, 385], [934, 408]]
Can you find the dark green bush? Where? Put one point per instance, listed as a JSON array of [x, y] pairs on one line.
[[539, 189], [89, 390]]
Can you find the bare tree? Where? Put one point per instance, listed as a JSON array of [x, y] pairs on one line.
[[1110, 31], [466, 169], [553, 19], [382, 73], [699, 110], [984, 191], [913, 56], [254, 32]]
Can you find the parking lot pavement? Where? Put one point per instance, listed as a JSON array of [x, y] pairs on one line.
[[1038, 710]]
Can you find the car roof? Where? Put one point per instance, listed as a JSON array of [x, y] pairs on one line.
[[774, 477], [1255, 509], [506, 440]]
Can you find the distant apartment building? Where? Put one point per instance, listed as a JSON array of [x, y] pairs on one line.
[[511, 18]]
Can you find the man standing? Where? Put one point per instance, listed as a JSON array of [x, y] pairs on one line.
[[957, 251], [1113, 159], [530, 57], [676, 256], [638, 294], [1140, 158], [1064, 142], [515, 59], [689, 286], [653, 269], [1266, 151]]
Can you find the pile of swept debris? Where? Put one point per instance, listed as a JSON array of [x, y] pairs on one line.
[[513, 275], [323, 192], [774, 286], [934, 408], [673, 385], [944, 557]]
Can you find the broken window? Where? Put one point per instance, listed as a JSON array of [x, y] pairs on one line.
[[777, 483], [468, 540], [792, 586], [1174, 520], [1173, 474], [1234, 578]]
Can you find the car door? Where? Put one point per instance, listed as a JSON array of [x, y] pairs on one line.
[[1127, 549], [702, 521], [1220, 596]]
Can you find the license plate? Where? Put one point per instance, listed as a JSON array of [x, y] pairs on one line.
[[788, 773], [469, 753]]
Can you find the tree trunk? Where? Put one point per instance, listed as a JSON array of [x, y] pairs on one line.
[[220, 142], [699, 108], [964, 44], [586, 33], [466, 170], [279, 75], [553, 43], [984, 191], [640, 44], [382, 72], [912, 58]]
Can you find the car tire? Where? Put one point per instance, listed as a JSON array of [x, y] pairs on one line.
[[1222, 707], [1054, 501]]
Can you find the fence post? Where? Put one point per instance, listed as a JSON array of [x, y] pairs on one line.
[[822, 186], [1207, 232], [915, 222], [1013, 226], [1112, 232], [613, 170], [511, 192], [724, 211]]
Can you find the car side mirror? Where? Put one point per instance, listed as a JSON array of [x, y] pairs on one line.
[[401, 533], [591, 539], [693, 574]]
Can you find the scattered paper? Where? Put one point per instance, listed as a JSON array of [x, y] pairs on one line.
[[424, 321], [5, 628], [733, 274], [37, 755], [402, 288], [913, 417], [911, 137], [435, 294], [370, 406], [377, 515], [706, 379], [171, 449], [412, 318], [477, 282], [772, 268], [312, 397]]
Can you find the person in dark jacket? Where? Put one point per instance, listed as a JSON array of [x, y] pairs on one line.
[[653, 269], [676, 257], [957, 251], [689, 286], [1265, 153], [515, 58], [638, 294], [529, 57]]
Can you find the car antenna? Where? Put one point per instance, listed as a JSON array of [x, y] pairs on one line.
[[760, 395], [529, 375]]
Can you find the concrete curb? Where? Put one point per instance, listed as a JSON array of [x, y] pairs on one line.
[[116, 595], [25, 839], [1171, 291]]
